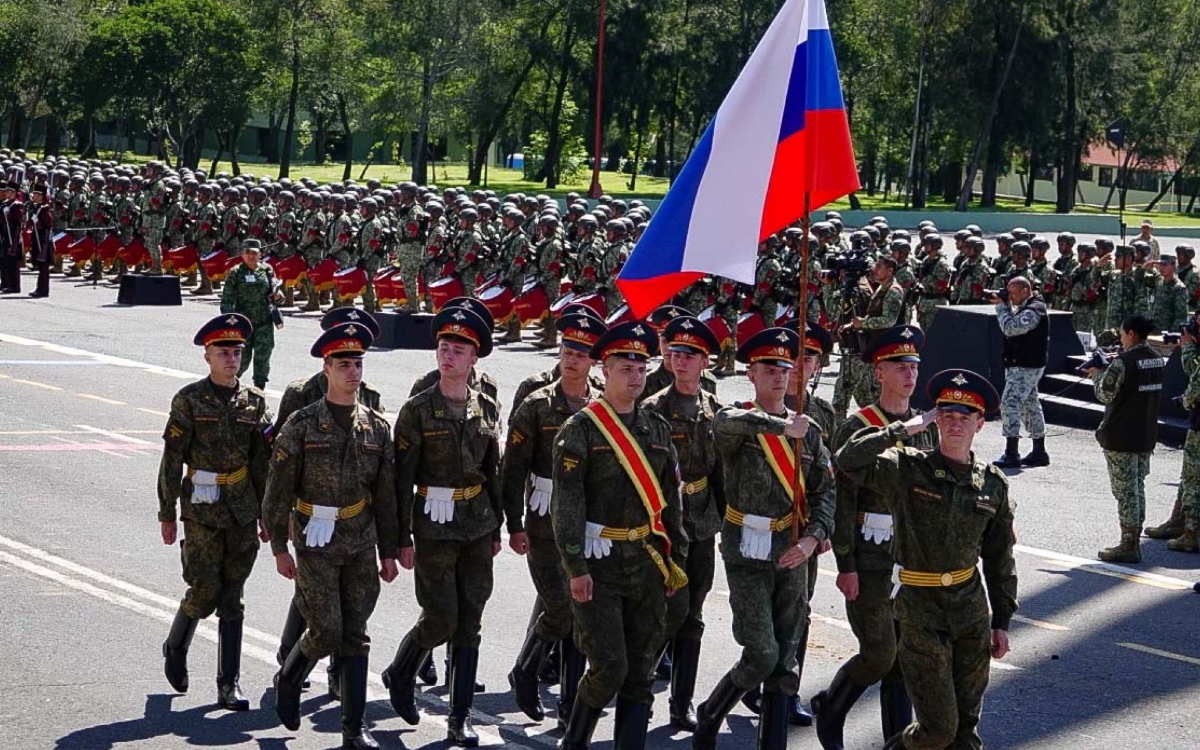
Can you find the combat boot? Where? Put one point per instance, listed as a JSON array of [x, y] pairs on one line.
[[1127, 551], [1185, 542], [334, 673], [630, 724], [428, 670], [464, 663], [288, 681], [549, 673], [1038, 456], [312, 305], [229, 666], [726, 361], [580, 727], [797, 714], [524, 676], [293, 627], [289, 296], [752, 700], [175, 650], [399, 676], [512, 332], [205, 287], [549, 339], [683, 682], [895, 707], [663, 670], [1170, 528], [574, 664], [712, 712], [831, 707], [188, 279], [57, 266], [1011, 458], [773, 721], [75, 272], [353, 678]]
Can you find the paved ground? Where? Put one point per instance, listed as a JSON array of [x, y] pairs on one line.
[[1104, 656]]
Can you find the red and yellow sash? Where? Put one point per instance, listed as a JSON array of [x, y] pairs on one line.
[[872, 416], [782, 460], [633, 460]]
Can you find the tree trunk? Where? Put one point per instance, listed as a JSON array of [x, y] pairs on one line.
[[495, 122], [1069, 175], [868, 176], [1166, 188], [550, 166], [53, 143], [234, 133], [991, 170], [321, 137], [420, 168], [345, 117], [1031, 183], [212, 169], [637, 154], [285, 159], [16, 124], [964, 195]]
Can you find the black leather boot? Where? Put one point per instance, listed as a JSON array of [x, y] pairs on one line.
[[629, 731], [773, 721], [293, 627], [831, 707], [229, 666], [464, 662], [1011, 458], [580, 727], [663, 670], [175, 650], [352, 674], [685, 661], [524, 676], [479, 686], [712, 712], [334, 673], [288, 680], [797, 714], [574, 664], [895, 707], [428, 670], [1038, 456], [753, 700], [550, 673], [399, 676]]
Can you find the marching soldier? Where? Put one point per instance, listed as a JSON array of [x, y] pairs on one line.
[[221, 430], [250, 291], [663, 375], [478, 379], [332, 482]]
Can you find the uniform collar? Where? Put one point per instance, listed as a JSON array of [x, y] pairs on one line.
[[945, 471], [325, 417]]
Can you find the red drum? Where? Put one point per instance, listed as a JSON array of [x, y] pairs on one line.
[[182, 259], [108, 249], [498, 300], [134, 253], [622, 315], [557, 308], [488, 283], [443, 290], [82, 249], [532, 306], [321, 275], [399, 291], [289, 270], [749, 324], [350, 283], [716, 324], [214, 264], [61, 242], [384, 291], [594, 301]]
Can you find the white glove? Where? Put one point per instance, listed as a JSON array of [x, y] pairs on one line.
[[877, 527], [756, 537], [539, 499], [319, 530], [439, 504], [204, 488], [895, 581], [594, 546]]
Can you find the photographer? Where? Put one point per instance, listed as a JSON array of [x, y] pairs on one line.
[[1130, 388], [1022, 316], [1184, 522]]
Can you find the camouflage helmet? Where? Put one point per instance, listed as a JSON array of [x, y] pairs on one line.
[[933, 239], [1066, 237]]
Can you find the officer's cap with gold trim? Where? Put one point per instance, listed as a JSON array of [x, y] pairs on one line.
[[580, 330], [962, 391], [659, 319], [348, 340], [632, 340], [579, 307], [898, 344], [816, 339], [476, 306], [689, 335], [339, 315], [231, 329], [773, 346], [461, 323]]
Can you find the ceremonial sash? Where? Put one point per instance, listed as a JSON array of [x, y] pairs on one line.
[[872, 416], [637, 467], [782, 460]]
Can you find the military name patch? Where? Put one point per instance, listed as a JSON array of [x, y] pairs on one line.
[[927, 494], [434, 433]]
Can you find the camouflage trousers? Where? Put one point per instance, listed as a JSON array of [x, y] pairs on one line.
[[926, 310], [454, 583], [1189, 480], [336, 593], [770, 607], [1085, 318], [946, 673], [153, 236], [855, 378], [553, 602], [1127, 474], [1019, 402], [216, 563], [873, 621], [685, 610], [258, 352], [409, 258], [621, 632]]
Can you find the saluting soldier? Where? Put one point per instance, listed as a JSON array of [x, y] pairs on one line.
[[949, 511], [221, 430], [528, 469], [448, 489], [690, 410], [618, 526], [331, 481], [766, 570]]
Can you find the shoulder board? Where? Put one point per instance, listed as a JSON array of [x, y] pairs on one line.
[[998, 473]]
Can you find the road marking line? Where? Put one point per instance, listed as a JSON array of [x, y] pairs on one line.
[[101, 399], [68, 446], [1132, 575], [8, 433], [1159, 652], [155, 412], [114, 435], [1040, 623], [40, 362], [5, 377], [36, 384]]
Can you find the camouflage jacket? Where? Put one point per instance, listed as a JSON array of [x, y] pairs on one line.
[[1190, 359], [340, 238], [543, 379], [286, 234], [1170, 308], [468, 253], [210, 434], [884, 307], [317, 462], [1083, 287], [933, 277], [549, 254], [301, 393], [515, 257], [156, 205], [247, 291], [231, 225], [436, 449], [370, 244], [970, 282], [661, 378], [703, 508], [314, 230], [204, 230], [945, 518], [819, 411], [408, 223], [1191, 279]]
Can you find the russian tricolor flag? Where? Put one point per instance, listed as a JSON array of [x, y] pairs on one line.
[[780, 133]]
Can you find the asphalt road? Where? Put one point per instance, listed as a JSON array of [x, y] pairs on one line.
[[1103, 656]]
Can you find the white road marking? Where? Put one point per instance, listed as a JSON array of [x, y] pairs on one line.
[[1132, 575], [101, 399], [1040, 623], [36, 384], [1159, 652], [40, 362], [155, 412], [115, 435]]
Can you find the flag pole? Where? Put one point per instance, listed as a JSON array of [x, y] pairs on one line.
[[799, 502]]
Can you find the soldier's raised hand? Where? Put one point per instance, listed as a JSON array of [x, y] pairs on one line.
[[797, 427]]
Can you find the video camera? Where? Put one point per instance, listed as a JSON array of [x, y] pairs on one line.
[[1100, 359], [1001, 293]]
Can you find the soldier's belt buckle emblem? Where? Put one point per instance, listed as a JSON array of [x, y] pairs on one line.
[[631, 535], [947, 579]]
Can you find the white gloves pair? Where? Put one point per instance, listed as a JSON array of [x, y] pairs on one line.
[[319, 530], [756, 537], [539, 499], [877, 527], [204, 488], [594, 546], [439, 504]]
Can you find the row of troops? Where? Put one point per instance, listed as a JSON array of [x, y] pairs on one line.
[[620, 493]]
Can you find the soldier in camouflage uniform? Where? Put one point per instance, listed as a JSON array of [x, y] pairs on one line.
[[410, 223], [550, 257], [766, 275], [1042, 276], [973, 275], [514, 261], [1125, 294], [730, 295], [450, 501], [1024, 321], [437, 248], [286, 234], [587, 267], [260, 220], [205, 233], [468, 252], [528, 466], [1170, 308], [478, 379], [933, 280], [615, 254], [1003, 264], [221, 430], [250, 290], [882, 312], [154, 217], [1187, 273], [332, 483], [950, 511], [767, 571], [906, 277], [1145, 271], [694, 298], [125, 211], [312, 247], [232, 220], [1064, 268], [618, 527], [339, 237], [1083, 292], [1181, 529], [662, 376], [77, 213], [370, 250]]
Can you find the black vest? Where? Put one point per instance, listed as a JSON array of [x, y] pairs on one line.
[[1030, 349], [1130, 422]]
